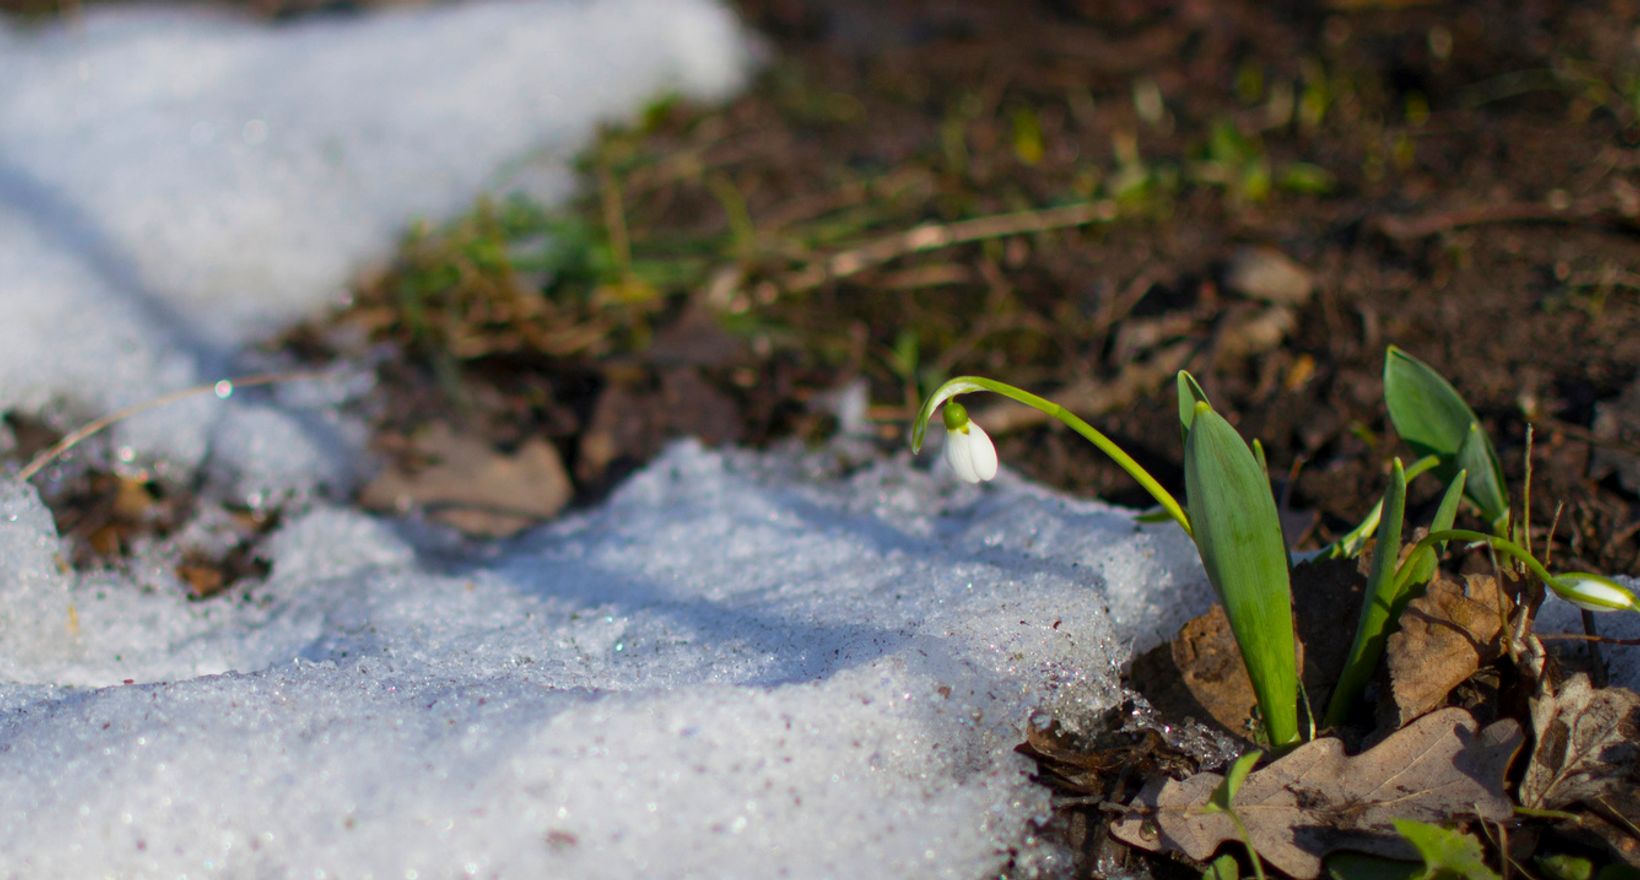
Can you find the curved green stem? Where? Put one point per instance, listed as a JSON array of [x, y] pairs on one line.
[[1247, 841], [1496, 543], [966, 384]]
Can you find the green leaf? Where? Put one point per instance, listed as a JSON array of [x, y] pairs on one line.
[[1568, 867], [1304, 178], [1447, 854], [1487, 488], [1360, 866], [1239, 537], [1222, 868], [1433, 418], [1420, 565], [1353, 542], [1379, 605], [1222, 796], [1564, 867], [1190, 394]]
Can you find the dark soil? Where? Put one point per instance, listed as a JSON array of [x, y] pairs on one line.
[[1459, 179], [1482, 216]]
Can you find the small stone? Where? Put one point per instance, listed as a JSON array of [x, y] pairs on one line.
[[1265, 273], [473, 487]]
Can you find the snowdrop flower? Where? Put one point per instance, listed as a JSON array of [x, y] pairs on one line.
[[1593, 592], [967, 447]]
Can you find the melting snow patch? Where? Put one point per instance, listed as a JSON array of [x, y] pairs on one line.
[[175, 183], [1622, 664], [734, 668]]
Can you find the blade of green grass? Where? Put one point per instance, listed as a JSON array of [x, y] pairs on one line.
[[1377, 608]]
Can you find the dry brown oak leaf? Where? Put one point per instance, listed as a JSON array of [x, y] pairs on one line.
[[1316, 799], [1445, 635], [1588, 747]]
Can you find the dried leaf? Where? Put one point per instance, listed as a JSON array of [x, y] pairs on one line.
[[474, 487], [1071, 765], [1245, 333], [1445, 636], [1210, 668], [1588, 746], [1317, 799], [1199, 674]]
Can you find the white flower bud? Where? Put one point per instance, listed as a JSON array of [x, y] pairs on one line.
[[967, 447], [1593, 592]]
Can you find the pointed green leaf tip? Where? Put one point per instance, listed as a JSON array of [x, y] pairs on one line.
[[1238, 535], [1224, 796], [1224, 867], [1432, 417], [1190, 394]]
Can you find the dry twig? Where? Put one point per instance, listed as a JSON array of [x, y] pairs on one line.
[[221, 388], [934, 236]]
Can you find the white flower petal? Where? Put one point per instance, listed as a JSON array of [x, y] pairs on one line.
[[983, 452], [971, 454]]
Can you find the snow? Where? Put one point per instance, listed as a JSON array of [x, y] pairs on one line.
[[741, 665], [797, 663], [1622, 664]]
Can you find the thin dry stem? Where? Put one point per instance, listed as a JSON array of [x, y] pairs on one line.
[[1580, 637], [933, 236], [95, 426]]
